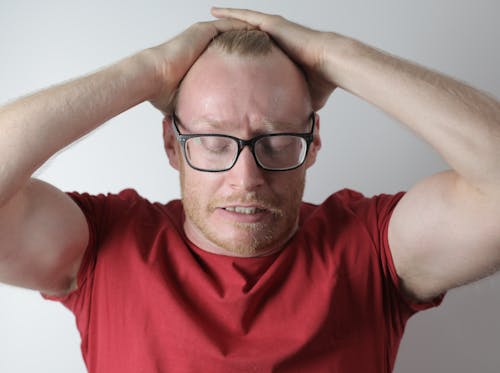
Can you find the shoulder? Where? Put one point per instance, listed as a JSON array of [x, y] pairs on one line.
[[127, 204], [349, 215], [126, 197], [349, 202]]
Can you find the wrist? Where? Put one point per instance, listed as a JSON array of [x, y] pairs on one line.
[[143, 73], [339, 58], [159, 82]]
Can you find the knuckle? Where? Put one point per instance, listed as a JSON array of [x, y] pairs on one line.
[[274, 20], [199, 25], [204, 26]]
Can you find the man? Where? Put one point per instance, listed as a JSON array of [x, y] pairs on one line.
[[242, 276]]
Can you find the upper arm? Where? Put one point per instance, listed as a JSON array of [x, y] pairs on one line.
[[442, 234], [43, 237]]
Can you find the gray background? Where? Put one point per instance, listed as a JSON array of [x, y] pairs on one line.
[[42, 43]]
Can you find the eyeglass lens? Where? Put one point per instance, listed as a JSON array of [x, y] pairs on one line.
[[219, 153]]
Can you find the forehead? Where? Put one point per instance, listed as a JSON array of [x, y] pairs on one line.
[[244, 91]]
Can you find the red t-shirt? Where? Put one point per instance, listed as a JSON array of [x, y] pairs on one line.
[[150, 301]]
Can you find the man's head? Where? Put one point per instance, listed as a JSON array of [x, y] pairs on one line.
[[243, 85]]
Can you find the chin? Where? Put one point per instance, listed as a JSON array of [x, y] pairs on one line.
[[250, 241]]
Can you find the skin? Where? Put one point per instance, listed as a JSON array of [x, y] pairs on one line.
[[243, 97]]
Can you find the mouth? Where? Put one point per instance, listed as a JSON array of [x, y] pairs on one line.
[[245, 213], [247, 210]]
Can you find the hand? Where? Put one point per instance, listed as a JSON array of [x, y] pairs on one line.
[[173, 59], [305, 46]]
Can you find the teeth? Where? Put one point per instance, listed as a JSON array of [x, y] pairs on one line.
[[243, 210]]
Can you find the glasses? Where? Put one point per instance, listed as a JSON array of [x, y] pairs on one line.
[[272, 152]]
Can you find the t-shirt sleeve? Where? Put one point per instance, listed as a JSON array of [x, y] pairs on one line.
[[93, 208], [376, 213], [385, 205], [100, 212]]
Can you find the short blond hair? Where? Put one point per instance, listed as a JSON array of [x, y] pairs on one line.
[[243, 42]]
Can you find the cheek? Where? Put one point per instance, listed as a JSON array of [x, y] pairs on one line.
[[290, 181], [197, 186], [288, 189]]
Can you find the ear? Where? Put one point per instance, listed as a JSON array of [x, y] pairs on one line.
[[315, 145], [170, 143]]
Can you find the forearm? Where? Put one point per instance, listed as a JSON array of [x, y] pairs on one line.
[[35, 127], [460, 122]]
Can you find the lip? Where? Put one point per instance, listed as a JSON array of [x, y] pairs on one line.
[[237, 217], [260, 207]]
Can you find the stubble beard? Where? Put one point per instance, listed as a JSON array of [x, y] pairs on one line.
[[253, 239]]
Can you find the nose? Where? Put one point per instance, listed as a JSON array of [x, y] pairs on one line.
[[245, 174]]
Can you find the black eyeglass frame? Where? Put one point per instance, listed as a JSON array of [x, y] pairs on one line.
[[183, 138]]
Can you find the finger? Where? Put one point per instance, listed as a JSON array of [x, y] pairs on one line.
[[200, 34], [223, 25], [249, 16], [291, 36], [211, 28]]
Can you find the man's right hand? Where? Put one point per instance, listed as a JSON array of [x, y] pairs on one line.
[[175, 57]]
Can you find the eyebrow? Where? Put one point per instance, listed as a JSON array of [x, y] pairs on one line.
[[284, 127], [269, 125]]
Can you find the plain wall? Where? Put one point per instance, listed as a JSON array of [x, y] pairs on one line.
[[42, 43]]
